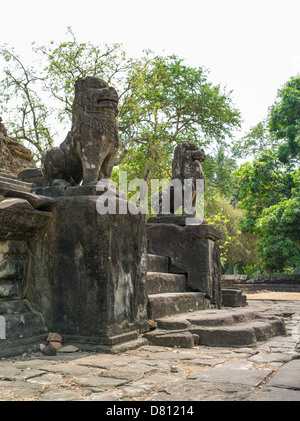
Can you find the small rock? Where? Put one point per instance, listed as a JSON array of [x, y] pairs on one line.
[[42, 346], [54, 337], [152, 324], [49, 350], [68, 348], [56, 345]]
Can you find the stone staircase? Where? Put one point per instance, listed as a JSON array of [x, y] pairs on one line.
[[167, 292], [10, 181], [184, 319]]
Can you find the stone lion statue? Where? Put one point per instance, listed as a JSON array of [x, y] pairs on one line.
[[88, 153], [186, 166]]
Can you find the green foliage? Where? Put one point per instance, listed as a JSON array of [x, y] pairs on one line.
[[255, 142], [63, 63], [269, 188], [285, 121], [279, 232], [20, 97], [162, 101], [262, 184], [170, 103], [218, 168], [236, 247]]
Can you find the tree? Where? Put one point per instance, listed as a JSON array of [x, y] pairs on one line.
[[174, 103], [262, 184], [257, 140], [237, 248], [279, 232], [285, 121], [162, 101], [20, 95], [218, 169]]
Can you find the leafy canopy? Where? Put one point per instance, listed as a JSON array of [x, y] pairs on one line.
[[162, 100], [285, 121]]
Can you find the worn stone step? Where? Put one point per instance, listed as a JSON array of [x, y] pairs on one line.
[[6, 173], [158, 263], [10, 183], [207, 318], [222, 318], [157, 283], [241, 334], [166, 304], [179, 338]]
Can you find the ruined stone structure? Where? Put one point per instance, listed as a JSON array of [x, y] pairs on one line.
[[97, 279], [192, 249], [89, 150], [83, 273], [13, 156], [23, 218], [280, 282]]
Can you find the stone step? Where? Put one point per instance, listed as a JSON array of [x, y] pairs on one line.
[[157, 263], [9, 183], [6, 173], [166, 304], [207, 318], [224, 318], [157, 283], [209, 329], [242, 334], [180, 338]]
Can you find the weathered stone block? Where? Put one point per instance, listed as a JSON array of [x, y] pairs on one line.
[[20, 221], [233, 298], [13, 269], [24, 328], [87, 275]]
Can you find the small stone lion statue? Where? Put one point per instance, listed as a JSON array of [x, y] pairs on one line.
[[90, 148], [186, 166]]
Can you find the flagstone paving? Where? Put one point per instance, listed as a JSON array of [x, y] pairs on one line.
[[269, 371]]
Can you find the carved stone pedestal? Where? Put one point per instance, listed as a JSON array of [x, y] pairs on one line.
[[87, 276]]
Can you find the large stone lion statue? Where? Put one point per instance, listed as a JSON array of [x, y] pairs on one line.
[[90, 148], [186, 166]]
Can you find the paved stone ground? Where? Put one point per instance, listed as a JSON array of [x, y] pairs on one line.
[[269, 371]]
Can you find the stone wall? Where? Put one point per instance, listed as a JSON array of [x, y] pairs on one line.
[[13, 156], [280, 282]]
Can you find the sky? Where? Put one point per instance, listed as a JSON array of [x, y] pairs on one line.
[[250, 47]]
